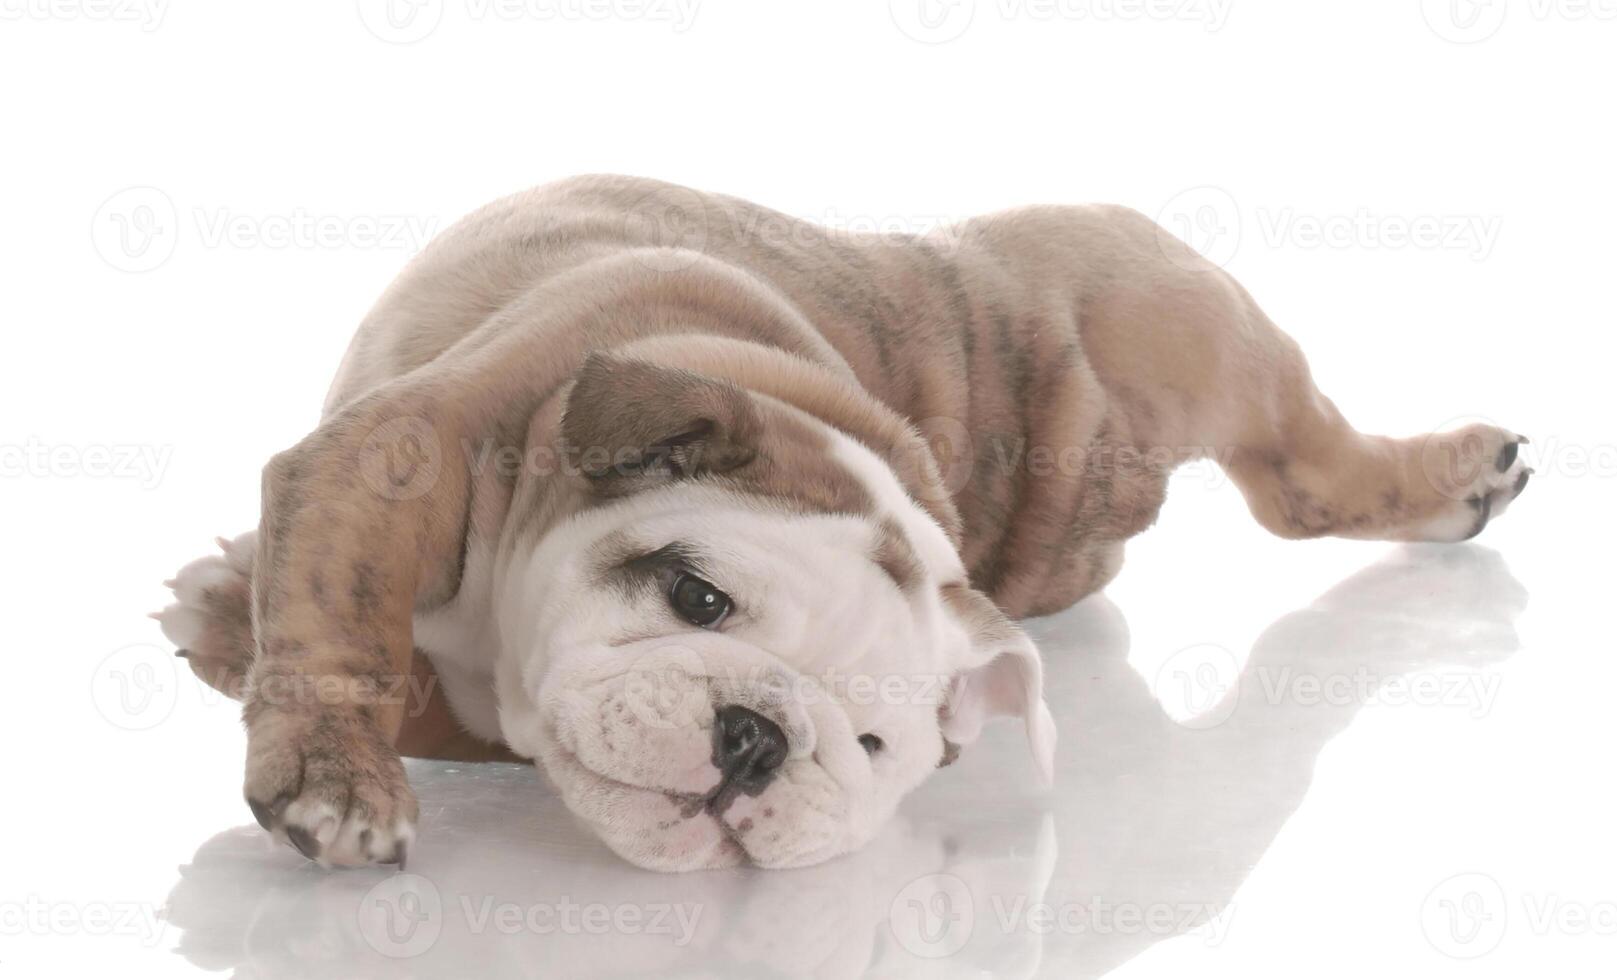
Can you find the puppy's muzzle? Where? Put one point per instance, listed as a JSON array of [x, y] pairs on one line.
[[748, 749]]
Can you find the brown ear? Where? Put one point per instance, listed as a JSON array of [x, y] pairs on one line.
[[631, 424]]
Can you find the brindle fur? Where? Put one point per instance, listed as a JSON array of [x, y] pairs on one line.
[[1031, 376]]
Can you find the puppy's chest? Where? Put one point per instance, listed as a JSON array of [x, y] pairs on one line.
[[462, 641], [460, 634]]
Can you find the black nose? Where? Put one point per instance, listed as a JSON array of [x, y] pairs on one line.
[[747, 747]]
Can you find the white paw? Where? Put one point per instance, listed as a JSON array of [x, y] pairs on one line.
[[211, 620], [1481, 470], [328, 783]]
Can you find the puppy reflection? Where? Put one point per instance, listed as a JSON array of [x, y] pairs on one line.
[[1167, 817]]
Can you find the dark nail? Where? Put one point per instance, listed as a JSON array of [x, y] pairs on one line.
[[304, 842], [263, 814], [1507, 456], [1521, 483], [1484, 507]]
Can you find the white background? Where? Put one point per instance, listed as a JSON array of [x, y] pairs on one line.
[[200, 200]]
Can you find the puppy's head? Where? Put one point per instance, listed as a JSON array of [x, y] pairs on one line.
[[750, 642]]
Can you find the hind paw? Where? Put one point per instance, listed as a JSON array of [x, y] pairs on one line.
[[1479, 470], [210, 621]]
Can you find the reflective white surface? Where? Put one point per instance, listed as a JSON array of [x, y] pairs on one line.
[[1222, 784]]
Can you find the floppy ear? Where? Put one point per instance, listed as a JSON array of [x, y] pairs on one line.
[[630, 424], [1003, 675]]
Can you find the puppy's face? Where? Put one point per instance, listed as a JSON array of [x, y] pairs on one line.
[[753, 643]]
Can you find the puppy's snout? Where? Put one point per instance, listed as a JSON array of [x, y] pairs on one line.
[[747, 747]]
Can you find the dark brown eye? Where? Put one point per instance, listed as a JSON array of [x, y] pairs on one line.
[[872, 743], [698, 601]]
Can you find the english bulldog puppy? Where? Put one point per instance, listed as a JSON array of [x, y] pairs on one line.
[[725, 519]]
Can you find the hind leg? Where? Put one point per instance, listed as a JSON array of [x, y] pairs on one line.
[[1305, 472], [1201, 369], [1336, 481]]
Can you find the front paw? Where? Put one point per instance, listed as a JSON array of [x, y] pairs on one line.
[[328, 782]]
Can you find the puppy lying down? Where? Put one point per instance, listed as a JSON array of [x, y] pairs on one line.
[[724, 519]]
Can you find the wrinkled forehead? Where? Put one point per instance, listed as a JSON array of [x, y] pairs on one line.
[[817, 533], [749, 543], [809, 486], [808, 466]]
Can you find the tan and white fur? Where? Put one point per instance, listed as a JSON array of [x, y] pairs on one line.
[[884, 449]]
